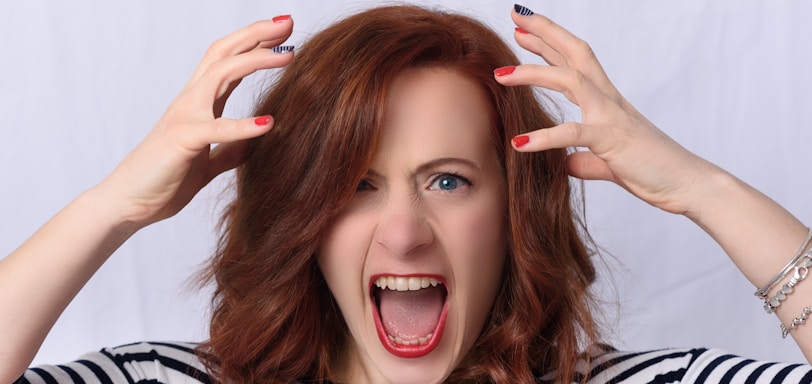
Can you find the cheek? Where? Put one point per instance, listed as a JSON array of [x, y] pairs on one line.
[[341, 256], [477, 247], [484, 227]]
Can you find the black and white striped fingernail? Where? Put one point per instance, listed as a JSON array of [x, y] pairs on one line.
[[282, 49], [522, 10]]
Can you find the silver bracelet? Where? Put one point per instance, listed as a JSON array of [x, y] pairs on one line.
[[801, 270], [764, 291], [796, 322]]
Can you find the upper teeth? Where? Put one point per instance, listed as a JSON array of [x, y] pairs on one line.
[[405, 283]]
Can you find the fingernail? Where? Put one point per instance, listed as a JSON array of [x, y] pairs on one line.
[[502, 71], [282, 48], [262, 120], [520, 141], [522, 10], [522, 31], [281, 18]]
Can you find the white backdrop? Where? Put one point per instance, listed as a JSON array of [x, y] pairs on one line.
[[83, 82]]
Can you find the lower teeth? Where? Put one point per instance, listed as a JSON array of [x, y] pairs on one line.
[[418, 341]]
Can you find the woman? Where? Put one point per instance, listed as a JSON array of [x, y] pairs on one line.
[[435, 252]]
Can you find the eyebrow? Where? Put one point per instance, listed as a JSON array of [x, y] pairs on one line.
[[446, 160], [436, 163]]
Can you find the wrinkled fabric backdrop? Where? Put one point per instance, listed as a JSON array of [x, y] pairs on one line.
[[84, 81]]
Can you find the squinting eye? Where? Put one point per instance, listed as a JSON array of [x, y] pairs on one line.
[[364, 185], [449, 182]]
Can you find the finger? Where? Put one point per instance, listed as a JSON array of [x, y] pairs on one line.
[[564, 135], [220, 103], [226, 156], [536, 45], [585, 165], [575, 52], [260, 34], [221, 77], [572, 83], [196, 137]]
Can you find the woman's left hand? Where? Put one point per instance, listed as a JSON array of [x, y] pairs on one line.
[[624, 147]]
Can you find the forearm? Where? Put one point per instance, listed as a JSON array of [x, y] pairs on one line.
[[40, 278], [760, 237], [757, 233]]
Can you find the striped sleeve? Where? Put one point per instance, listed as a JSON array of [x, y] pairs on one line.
[[717, 366], [140, 363], [696, 366]]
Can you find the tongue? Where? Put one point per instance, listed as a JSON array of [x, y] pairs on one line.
[[410, 315]]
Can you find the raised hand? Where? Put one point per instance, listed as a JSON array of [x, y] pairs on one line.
[[624, 147], [174, 161], [153, 182]]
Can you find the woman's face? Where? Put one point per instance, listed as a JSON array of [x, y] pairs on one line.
[[415, 260]]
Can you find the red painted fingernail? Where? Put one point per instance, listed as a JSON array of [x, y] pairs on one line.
[[520, 141], [522, 31], [504, 70], [281, 19], [262, 120]]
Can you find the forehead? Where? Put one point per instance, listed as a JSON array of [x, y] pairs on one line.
[[433, 111]]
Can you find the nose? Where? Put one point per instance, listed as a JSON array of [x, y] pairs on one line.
[[403, 229]]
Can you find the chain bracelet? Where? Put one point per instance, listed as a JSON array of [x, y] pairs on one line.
[[801, 271], [796, 322]]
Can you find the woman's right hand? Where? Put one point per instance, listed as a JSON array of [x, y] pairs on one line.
[[162, 174], [153, 182]]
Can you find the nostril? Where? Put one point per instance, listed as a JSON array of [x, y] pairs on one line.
[[402, 235]]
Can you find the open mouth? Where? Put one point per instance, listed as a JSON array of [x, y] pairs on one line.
[[410, 312]]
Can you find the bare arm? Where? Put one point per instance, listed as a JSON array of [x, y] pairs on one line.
[[157, 179], [42, 276]]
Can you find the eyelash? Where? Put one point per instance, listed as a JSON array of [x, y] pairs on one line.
[[464, 180], [365, 185]]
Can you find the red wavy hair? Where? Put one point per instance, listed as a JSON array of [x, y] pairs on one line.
[[274, 319]]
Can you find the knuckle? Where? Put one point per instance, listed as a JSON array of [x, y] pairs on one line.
[[214, 70], [584, 49], [547, 23], [584, 55], [220, 127], [217, 48], [574, 131], [578, 79]]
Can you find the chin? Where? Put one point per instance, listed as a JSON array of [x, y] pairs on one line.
[[430, 362], [432, 368]]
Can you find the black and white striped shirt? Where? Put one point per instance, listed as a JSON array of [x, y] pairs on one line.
[[150, 363]]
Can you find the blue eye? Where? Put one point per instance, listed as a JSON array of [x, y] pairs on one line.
[[448, 182]]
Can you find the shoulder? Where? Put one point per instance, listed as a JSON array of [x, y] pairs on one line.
[[697, 365], [145, 362]]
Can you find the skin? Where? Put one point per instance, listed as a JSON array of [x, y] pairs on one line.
[[408, 217], [174, 161], [624, 147], [158, 178]]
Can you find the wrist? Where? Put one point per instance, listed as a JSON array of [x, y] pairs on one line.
[[713, 192], [709, 187], [110, 211]]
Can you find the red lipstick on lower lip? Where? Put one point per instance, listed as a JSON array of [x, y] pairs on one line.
[[410, 351]]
